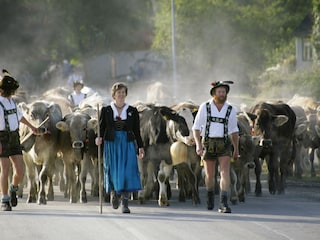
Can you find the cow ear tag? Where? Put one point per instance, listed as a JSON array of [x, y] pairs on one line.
[[165, 118]]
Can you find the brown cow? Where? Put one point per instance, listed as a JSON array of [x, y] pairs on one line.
[[41, 149], [77, 129]]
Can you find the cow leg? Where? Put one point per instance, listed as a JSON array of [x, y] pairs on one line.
[[181, 182], [304, 159], [242, 184], [31, 176], [246, 176], [257, 170], [313, 171], [142, 165], [50, 195], [94, 174], [49, 172], [247, 185], [317, 156], [22, 184], [188, 183], [70, 178], [163, 180], [74, 190], [298, 161], [75, 183], [85, 165], [283, 173], [192, 180], [273, 173], [32, 196], [233, 186], [95, 182], [59, 174], [147, 181], [168, 187], [42, 179]]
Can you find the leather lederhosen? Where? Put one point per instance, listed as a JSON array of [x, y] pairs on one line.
[[218, 146], [10, 140]]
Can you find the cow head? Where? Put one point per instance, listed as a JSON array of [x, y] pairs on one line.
[[265, 124], [246, 141], [177, 126], [311, 137], [44, 115], [37, 112], [77, 125], [160, 124], [189, 115], [188, 110]]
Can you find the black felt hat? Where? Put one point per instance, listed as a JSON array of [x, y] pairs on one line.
[[8, 82], [224, 84]]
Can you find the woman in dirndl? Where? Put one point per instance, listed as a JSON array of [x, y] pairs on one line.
[[120, 133]]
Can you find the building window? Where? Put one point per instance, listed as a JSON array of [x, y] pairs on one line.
[[306, 50]]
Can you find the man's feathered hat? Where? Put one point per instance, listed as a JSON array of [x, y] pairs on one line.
[[8, 82], [224, 84]]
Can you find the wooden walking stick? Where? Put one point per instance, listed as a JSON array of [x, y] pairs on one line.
[[31, 133], [99, 159]]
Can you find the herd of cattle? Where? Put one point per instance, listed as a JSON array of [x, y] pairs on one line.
[[284, 135]]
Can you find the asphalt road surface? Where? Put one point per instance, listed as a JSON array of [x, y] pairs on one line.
[[295, 215]]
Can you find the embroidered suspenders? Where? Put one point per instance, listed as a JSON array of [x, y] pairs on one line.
[[8, 112], [224, 121]]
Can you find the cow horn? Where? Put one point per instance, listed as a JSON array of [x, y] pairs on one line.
[[242, 108]]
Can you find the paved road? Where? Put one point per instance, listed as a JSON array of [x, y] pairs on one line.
[[295, 215]]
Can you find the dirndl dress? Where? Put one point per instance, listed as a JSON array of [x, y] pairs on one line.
[[121, 172]]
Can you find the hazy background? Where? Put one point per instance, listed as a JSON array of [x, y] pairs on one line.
[[233, 40]]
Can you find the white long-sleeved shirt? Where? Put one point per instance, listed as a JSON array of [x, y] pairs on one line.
[[216, 129], [12, 118], [76, 98]]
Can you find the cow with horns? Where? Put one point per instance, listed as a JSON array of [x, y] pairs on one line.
[[76, 142], [40, 151]]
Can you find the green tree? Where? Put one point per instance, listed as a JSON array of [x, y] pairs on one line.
[[36, 32], [229, 39]]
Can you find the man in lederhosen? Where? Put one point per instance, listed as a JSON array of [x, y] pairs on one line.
[[216, 131], [10, 148]]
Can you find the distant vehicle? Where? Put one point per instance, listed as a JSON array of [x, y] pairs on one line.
[[144, 69]]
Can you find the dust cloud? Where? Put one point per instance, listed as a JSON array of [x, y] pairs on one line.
[[231, 61]]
